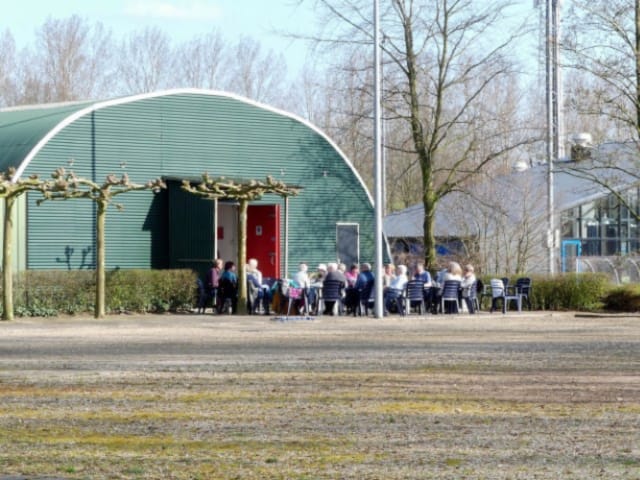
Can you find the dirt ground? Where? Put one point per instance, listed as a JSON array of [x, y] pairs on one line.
[[517, 396]]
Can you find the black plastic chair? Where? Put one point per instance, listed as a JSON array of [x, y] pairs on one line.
[[523, 288], [228, 292], [395, 297], [203, 296], [331, 293], [500, 292], [414, 296], [450, 293], [365, 300]]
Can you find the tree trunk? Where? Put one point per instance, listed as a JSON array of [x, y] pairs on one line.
[[7, 272], [242, 257], [100, 260], [429, 202], [637, 56]]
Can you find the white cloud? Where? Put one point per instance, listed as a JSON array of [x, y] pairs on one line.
[[176, 10]]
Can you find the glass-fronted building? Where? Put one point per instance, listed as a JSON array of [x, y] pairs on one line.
[[605, 226]]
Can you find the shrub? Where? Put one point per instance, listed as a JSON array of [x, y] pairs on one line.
[[584, 291], [150, 290], [623, 299], [52, 292], [571, 291]]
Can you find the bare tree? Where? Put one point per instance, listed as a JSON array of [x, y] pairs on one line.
[[70, 61], [603, 43], [254, 74], [200, 62], [7, 68], [444, 56], [145, 60], [581, 109], [602, 48]]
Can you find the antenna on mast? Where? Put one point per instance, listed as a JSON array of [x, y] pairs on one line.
[[555, 144]]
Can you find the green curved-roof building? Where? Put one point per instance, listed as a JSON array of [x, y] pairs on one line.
[[177, 135]]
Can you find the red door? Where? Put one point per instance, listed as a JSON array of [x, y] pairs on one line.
[[263, 238]]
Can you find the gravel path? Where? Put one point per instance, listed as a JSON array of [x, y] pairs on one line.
[[517, 396]]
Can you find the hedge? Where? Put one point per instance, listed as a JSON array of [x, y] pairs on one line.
[[581, 292], [53, 292], [48, 293]]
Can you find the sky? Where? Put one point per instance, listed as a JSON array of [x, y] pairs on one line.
[[184, 19], [180, 19]]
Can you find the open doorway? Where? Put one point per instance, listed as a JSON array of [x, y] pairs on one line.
[[227, 231], [263, 235]]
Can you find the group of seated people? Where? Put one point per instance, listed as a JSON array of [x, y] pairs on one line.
[[220, 288], [351, 284], [355, 283], [396, 279]]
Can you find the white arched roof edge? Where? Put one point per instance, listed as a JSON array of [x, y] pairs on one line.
[[161, 93]]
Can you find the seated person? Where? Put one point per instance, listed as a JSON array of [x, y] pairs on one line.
[[213, 279], [363, 285], [261, 290], [395, 290], [352, 275], [315, 284], [468, 282], [350, 293], [389, 275], [301, 280], [333, 274], [228, 287], [452, 272], [425, 277]]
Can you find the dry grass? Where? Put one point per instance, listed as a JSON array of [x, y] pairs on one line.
[[202, 397]]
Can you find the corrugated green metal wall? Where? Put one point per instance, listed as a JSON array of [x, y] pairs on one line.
[[183, 135]]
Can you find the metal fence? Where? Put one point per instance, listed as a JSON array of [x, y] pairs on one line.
[[621, 270]]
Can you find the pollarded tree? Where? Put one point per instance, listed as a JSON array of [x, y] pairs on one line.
[[213, 188], [10, 190], [65, 185]]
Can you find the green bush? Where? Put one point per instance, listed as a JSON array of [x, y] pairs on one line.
[[623, 299], [582, 292], [150, 290], [53, 292]]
